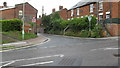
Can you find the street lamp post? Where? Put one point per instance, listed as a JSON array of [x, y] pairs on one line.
[[23, 19]]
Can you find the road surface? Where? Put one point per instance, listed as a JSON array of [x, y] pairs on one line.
[[65, 51]]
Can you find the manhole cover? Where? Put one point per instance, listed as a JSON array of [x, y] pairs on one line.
[[116, 55], [68, 61]]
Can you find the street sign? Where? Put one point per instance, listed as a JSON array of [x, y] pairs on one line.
[[33, 19], [89, 18]]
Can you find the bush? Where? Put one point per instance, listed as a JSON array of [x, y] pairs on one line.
[[85, 33], [11, 25]]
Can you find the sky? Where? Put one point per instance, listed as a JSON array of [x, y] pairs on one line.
[[48, 4]]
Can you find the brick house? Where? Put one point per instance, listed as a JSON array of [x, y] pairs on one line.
[[11, 12], [90, 8], [62, 12], [105, 10]]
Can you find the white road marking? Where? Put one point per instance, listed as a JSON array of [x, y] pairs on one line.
[[7, 64], [15, 43], [59, 55], [108, 48], [38, 63]]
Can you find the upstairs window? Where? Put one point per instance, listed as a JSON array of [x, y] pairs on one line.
[[91, 8], [101, 6], [78, 12], [71, 12], [20, 12]]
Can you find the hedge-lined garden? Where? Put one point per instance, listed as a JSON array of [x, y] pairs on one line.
[[11, 25], [75, 27], [12, 31]]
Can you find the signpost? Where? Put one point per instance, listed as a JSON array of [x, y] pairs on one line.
[[89, 18], [33, 19]]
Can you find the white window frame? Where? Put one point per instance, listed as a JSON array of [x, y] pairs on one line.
[[100, 14], [107, 15], [78, 11], [91, 8], [72, 12], [20, 12], [101, 6]]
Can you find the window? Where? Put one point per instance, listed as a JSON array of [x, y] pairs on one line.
[[100, 16], [71, 12], [107, 15], [78, 11], [20, 13], [101, 6], [91, 8]]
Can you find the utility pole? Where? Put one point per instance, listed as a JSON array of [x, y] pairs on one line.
[[23, 19], [42, 11]]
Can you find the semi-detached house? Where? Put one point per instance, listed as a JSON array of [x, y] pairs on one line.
[[11, 12]]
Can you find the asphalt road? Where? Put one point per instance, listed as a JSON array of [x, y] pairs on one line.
[[65, 51]]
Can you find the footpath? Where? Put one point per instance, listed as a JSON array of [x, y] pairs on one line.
[[23, 44]]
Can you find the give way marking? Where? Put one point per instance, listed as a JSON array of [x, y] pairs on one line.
[[13, 61]]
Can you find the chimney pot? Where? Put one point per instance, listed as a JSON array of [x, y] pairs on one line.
[[5, 4], [53, 10], [60, 7]]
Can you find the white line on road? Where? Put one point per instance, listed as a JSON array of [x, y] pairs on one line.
[[38, 63], [109, 48], [7, 64], [59, 55]]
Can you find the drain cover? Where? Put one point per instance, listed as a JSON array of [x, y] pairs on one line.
[[116, 55], [68, 61]]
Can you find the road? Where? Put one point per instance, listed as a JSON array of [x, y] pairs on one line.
[[65, 51]]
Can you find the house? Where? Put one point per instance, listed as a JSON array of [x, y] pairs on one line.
[[102, 10], [62, 12], [11, 12]]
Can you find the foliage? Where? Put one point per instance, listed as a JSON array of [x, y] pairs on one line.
[[11, 25], [52, 23], [75, 27], [17, 35]]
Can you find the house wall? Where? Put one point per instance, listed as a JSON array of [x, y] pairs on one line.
[[63, 14], [8, 14], [30, 12]]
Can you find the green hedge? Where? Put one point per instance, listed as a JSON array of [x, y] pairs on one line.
[[11, 25], [114, 20]]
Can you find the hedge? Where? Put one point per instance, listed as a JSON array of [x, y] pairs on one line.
[[11, 25]]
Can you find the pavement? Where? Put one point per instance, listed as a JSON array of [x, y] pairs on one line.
[[37, 41], [24, 44]]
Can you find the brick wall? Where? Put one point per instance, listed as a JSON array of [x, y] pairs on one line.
[[30, 12], [114, 29], [8, 14], [63, 14]]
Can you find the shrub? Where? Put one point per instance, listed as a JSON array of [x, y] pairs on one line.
[[11, 25], [85, 33]]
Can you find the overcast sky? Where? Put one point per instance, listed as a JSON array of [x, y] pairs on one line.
[[48, 4]]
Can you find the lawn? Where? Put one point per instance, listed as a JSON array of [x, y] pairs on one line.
[[14, 36]]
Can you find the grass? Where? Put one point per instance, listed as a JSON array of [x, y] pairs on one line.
[[14, 36], [6, 47]]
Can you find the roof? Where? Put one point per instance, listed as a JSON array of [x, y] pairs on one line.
[[27, 3], [81, 4], [9, 7]]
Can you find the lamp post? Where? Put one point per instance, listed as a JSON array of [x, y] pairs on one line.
[[23, 19]]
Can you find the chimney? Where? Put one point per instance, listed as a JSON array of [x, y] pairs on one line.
[[5, 4], [60, 7], [53, 10]]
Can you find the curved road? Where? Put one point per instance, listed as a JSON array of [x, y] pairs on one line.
[[65, 51]]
